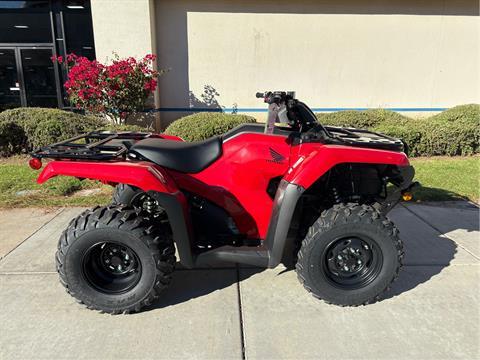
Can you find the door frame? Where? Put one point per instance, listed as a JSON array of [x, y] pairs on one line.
[[18, 62]]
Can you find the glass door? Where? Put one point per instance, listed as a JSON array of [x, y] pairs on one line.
[[39, 80], [28, 78], [10, 92]]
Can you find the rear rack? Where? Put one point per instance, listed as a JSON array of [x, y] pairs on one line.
[[95, 145]]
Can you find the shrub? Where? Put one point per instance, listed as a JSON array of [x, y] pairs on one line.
[[126, 127], [360, 119], [29, 128], [114, 90], [469, 113], [201, 126], [12, 138], [453, 132]]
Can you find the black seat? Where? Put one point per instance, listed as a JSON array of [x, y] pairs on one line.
[[186, 157]]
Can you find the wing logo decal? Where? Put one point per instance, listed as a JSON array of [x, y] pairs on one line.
[[277, 158]]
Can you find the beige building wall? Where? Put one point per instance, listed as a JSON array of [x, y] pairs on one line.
[[335, 54], [127, 28], [124, 27]]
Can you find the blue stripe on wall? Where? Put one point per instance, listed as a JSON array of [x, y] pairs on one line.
[[262, 110]]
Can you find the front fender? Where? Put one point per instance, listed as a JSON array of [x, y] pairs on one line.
[[314, 161]]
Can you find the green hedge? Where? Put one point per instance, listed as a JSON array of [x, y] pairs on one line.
[[360, 119], [12, 138], [24, 129], [203, 125], [453, 132], [126, 127]]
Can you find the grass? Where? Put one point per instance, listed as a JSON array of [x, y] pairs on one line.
[[16, 176], [442, 179], [447, 178]]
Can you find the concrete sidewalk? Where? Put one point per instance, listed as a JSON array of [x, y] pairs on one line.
[[431, 312]]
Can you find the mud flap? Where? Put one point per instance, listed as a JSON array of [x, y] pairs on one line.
[[285, 203], [175, 206]]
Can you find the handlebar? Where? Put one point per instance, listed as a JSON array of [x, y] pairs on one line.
[[276, 97], [283, 106]]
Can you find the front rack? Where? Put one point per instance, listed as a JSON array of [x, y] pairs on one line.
[[95, 145], [365, 138]]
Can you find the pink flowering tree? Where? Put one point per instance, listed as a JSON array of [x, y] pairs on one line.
[[116, 90]]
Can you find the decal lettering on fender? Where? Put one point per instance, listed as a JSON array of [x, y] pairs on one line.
[[298, 162]]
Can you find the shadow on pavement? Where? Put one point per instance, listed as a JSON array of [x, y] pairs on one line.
[[434, 261], [190, 284], [426, 248], [425, 193], [427, 253]]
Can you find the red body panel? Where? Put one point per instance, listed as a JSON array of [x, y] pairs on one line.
[[312, 160], [169, 137], [238, 180], [144, 175]]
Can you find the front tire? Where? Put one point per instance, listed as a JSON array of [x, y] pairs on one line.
[[115, 261], [350, 255]]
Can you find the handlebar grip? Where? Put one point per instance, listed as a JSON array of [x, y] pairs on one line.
[[260, 95]]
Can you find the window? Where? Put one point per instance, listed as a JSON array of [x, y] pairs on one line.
[[31, 31], [21, 4], [25, 22], [78, 27]]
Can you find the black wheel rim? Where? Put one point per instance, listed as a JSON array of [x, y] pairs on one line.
[[111, 268], [352, 262]]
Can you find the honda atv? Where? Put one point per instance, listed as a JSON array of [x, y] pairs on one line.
[[310, 196]]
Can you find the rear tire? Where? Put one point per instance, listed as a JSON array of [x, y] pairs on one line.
[[138, 199], [115, 261], [350, 255], [124, 194]]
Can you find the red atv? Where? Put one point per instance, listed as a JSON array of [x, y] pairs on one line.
[[310, 196]]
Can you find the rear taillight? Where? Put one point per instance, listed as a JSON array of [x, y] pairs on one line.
[[35, 163]]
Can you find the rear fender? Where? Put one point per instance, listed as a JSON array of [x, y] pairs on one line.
[[144, 175]]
